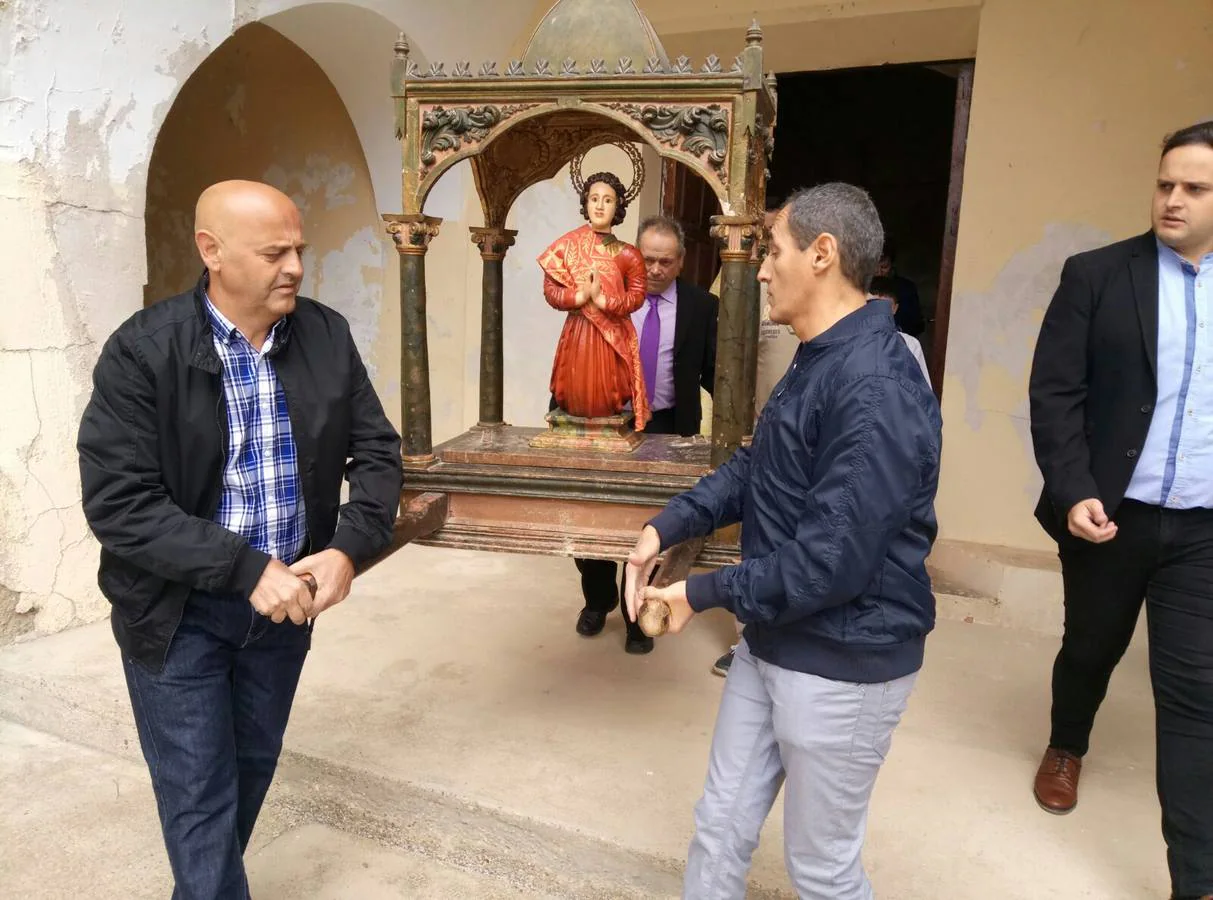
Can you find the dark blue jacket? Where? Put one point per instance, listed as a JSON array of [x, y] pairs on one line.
[[836, 499]]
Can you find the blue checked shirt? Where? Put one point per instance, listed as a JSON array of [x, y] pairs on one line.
[[262, 497]]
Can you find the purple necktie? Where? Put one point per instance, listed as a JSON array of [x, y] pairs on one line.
[[650, 342]]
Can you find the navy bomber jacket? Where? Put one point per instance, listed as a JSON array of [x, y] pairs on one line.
[[836, 499]]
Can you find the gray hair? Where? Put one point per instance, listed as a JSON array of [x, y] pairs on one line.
[[846, 212], [664, 225]]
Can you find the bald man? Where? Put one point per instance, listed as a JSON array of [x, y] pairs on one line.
[[221, 425]]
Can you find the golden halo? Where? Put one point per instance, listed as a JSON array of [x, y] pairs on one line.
[[577, 177]]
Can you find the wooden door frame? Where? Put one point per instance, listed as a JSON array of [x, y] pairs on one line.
[[947, 263]]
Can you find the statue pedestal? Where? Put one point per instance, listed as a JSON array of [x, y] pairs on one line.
[[610, 434]]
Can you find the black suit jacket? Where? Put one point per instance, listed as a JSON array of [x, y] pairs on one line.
[[694, 354], [1094, 378]]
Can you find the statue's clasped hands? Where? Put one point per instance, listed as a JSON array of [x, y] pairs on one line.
[[589, 289]]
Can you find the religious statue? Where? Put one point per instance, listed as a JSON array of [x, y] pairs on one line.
[[599, 281]]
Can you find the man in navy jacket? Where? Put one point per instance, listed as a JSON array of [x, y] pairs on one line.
[[836, 500]]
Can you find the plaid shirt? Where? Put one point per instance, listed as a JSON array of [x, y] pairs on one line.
[[262, 498]]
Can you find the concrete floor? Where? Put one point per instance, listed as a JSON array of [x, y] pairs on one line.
[[453, 736]]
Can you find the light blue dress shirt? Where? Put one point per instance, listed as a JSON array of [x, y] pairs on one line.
[[1175, 469]]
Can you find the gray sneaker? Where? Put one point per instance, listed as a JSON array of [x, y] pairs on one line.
[[721, 666]]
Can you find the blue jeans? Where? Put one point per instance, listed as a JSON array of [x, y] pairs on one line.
[[211, 725]]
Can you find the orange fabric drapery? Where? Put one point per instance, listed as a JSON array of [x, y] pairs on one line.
[[597, 367]]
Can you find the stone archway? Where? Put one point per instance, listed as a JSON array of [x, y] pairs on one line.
[[259, 108]]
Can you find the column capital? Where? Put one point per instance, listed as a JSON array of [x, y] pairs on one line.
[[736, 236], [412, 232], [493, 242]]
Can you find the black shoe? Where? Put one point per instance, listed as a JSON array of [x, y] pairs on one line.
[[638, 643], [590, 622]]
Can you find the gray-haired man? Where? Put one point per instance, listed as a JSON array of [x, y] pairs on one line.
[[836, 500]]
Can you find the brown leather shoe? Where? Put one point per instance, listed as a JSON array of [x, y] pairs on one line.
[[1056, 788]]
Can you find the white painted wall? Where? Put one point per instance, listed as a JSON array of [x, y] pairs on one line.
[[83, 93]]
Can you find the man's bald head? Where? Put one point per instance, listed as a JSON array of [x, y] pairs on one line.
[[228, 204], [250, 237]]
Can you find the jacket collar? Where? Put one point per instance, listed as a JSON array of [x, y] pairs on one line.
[[205, 357], [875, 315]]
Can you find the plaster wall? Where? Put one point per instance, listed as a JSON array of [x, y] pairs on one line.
[[1070, 105]]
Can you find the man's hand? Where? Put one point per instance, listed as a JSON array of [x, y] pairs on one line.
[[280, 594], [1087, 520], [334, 573], [676, 596], [639, 570]]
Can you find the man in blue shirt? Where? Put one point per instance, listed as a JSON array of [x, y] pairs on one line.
[[836, 501], [1122, 425]]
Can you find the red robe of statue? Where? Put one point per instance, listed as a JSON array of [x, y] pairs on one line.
[[597, 368]]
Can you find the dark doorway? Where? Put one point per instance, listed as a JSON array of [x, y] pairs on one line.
[[688, 198], [897, 131], [888, 130]]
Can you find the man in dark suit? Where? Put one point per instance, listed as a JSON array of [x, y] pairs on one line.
[[909, 307], [677, 331], [1122, 425]]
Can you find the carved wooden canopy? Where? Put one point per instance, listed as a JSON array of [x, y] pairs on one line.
[[522, 125]]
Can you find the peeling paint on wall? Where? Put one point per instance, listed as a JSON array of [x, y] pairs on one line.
[[998, 327], [81, 99], [350, 280]]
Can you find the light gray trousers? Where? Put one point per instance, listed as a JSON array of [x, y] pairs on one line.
[[825, 740]]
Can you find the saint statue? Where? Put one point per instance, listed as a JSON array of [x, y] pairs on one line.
[[599, 281]]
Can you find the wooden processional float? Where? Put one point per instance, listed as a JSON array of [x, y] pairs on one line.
[[593, 73]]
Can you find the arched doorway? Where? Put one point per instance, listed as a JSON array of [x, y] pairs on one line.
[[262, 109]]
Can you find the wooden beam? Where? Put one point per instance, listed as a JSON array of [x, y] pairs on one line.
[[421, 517], [678, 562]]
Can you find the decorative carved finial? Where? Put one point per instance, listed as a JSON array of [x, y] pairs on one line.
[[682, 66], [771, 82], [569, 66], [542, 67], [436, 70], [654, 66], [463, 69], [712, 65], [753, 36], [598, 67], [489, 70], [514, 69], [625, 66], [401, 46]]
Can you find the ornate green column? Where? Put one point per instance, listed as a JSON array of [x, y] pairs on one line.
[[412, 234], [493, 244], [736, 336]]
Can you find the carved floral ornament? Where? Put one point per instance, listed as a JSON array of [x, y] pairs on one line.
[[449, 130], [701, 131]]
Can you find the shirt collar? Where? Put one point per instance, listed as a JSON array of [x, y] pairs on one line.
[[229, 333], [1168, 256], [220, 324], [670, 294]]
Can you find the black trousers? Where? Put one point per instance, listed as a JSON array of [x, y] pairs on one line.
[[601, 580], [1166, 557]]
